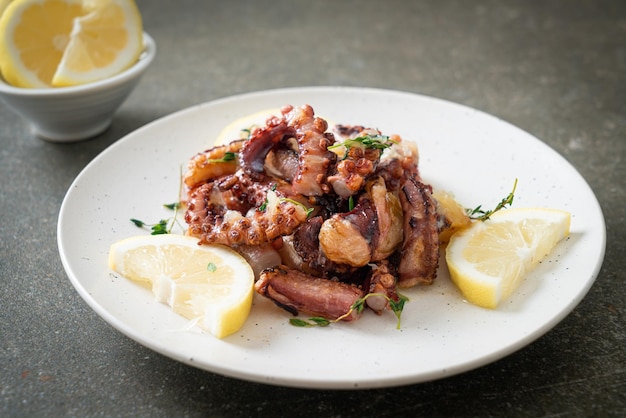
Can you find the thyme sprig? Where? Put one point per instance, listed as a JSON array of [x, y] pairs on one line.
[[164, 226], [479, 214], [358, 306], [367, 141]]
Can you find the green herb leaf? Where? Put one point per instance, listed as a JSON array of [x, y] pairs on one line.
[[228, 156], [211, 267], [297, 322], [264, 204], [137, 222], [320, 322], [172, 206], [315, 322], [160, 228], [481, 215], [155, 229], [358, 306], [398, 306], [350, 203], [367, 141]]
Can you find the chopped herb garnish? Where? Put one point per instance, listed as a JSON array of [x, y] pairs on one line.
[[316, 321], [138, 223], [156, 229], [481, 215], [350, 203], [358, 307], [367, 141], [211, 267], [172, 206], [264, 204], [164, 226]]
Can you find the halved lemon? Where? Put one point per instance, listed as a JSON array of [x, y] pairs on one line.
[[488, 260], [53, 43], [210, 284]]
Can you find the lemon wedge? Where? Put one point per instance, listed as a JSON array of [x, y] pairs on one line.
[[54, 43], [212, 285], [488, 260]]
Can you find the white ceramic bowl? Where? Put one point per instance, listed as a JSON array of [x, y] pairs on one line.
[[67, 114]]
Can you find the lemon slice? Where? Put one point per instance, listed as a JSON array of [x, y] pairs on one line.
[[488, 260], [212, 285], [51, 43]]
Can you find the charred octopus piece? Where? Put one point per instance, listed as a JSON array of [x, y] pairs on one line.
[[357, 164], [308, 177], [297, 292], [369, 232], [314, 156], [212, 163], [237, 212], [381, 284], [261, 141], [420, 248]]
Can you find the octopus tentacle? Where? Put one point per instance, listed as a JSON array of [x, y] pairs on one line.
[[381, 283], [420, 249], [398, 163], [262, 140], [314, 156], [355, 167], [297, 292], [234, 215], [371, 231], [211, 164]]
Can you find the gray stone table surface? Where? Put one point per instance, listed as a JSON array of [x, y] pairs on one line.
[[554, 68]]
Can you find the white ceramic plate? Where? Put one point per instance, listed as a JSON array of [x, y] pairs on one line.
[[472, 154]]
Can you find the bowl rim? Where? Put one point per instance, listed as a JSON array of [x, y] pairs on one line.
[[145, 58]]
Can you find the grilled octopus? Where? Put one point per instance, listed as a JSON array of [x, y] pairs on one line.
[[344, 221]]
